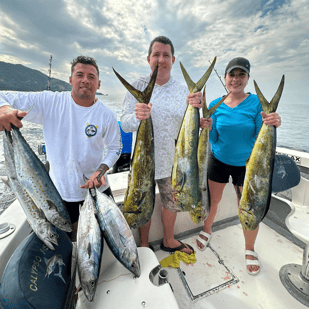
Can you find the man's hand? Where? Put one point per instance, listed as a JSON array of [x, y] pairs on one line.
[[143, 111], [195, 99], [8, 116], [97, 179]]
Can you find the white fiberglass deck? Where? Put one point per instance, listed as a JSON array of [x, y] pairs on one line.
[[263, 291]]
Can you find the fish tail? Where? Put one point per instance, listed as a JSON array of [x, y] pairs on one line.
[[141, 96], [212, 110], [193, 88], [61, 277], [272, 106], [205, 109], [276, 98]]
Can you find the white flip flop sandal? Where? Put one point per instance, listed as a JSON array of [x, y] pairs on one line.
[[203, 241], [252, 262]]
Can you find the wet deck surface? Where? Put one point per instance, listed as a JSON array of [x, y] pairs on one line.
[[216, 287]]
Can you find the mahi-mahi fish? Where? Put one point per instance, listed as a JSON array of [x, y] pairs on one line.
[[256, 193], [140, 195], [185, 175], [89, 248], [33, 177], [44, 230], [202, 209], [117, 232]]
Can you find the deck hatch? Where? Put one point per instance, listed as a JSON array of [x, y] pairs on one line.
[[212, 273]]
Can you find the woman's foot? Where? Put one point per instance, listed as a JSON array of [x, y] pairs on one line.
[[203, 240], [252, 262]]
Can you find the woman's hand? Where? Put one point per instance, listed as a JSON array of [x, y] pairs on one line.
[[206, 123], [272, 119]]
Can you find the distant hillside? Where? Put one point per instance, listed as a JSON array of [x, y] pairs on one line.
[[20, 78]]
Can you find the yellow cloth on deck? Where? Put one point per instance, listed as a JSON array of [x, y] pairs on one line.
[[173, 259]]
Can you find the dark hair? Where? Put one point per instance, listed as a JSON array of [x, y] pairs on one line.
[[84, 60], [163, 40]]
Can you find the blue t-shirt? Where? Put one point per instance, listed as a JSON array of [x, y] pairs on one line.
[[234, 130]]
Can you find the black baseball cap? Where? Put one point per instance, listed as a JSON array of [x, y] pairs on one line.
[[239, 63]]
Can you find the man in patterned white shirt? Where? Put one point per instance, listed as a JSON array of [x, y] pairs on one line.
[[167, 108]]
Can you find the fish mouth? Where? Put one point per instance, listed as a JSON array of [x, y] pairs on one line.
[[48, 243]]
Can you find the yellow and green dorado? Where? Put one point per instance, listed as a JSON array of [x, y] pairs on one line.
[[202, 209], [256, 194], [140, 195], [185, 175]]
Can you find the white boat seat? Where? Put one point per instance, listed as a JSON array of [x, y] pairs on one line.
[[295, 277], [298, 220]]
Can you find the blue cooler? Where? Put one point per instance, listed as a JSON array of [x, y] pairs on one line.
[[123, 163]]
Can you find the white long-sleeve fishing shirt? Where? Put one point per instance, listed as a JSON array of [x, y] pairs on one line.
[[168, 108], [75, 137]]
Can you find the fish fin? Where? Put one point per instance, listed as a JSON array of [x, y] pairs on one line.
[[51, 205], [276, 98], [60, 276], [8, 135], [6, 181], [123, 240], [205, 108], [47, 166], [272, 106], [193, 88], [148, 91], [263, 101], [89, 249], [212, 110], [141, 96], [85, 178], [182, 181], [20, 118], [189, 81]]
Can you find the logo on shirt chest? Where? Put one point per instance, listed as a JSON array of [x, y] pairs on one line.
[[91, 130]]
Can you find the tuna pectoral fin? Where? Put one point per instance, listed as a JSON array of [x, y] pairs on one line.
[[200, 84], [20, 118], [141, 96], [6, 181], [51, 205], [272, 106], [182, 182]]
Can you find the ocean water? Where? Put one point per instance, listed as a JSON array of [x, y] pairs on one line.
[[293, 133]]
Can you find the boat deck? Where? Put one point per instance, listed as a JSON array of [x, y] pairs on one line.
[[219, 279]]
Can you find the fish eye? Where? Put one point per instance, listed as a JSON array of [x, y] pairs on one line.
[[92, 283]]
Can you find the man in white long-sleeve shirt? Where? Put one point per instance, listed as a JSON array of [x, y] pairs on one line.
[[167, 108], [77, 127]]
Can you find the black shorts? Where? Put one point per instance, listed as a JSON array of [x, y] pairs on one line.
[[73, 207], [221, 172]]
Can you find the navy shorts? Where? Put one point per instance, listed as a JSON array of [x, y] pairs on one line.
[[221, 172]]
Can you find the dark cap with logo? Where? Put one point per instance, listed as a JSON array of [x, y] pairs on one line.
[[238, 63]]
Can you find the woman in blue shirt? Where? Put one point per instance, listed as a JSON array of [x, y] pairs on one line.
[[233, 130]]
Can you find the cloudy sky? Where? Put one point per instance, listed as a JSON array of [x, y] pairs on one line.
[[273, 35]]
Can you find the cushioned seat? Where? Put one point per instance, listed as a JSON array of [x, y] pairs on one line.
[[34, 278], [295, 277]]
